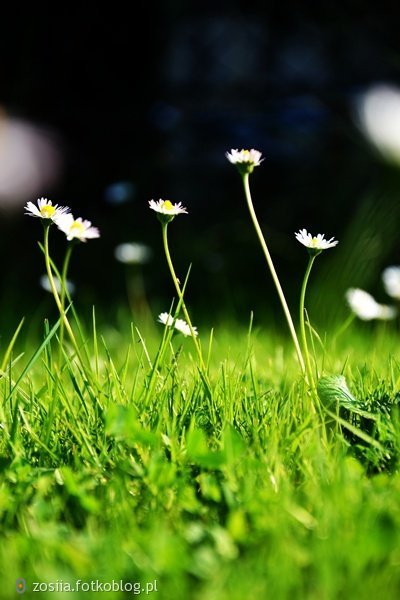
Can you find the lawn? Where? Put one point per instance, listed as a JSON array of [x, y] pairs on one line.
[[121, 472]]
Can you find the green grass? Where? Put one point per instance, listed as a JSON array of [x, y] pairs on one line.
[[121, 467]]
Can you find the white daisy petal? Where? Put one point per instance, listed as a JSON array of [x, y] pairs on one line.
[[245, 160], [166, 319], [165, 207], [184, 328], [179, 324], [76, 228], [45, 209], [315, 244]]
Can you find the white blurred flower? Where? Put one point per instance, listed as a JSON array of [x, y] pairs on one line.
[[315, 243], [45, 284], [45, 209], [31, 159], [378, 115], [184, 328], [179, 324], [391, 281], [245, 160], [166, 319], [366, 308], [133, 253], [77, 228]]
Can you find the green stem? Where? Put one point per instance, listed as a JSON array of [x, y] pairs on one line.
[[65, 271], [273, 272], [180, 295], [64, 287], [57, 299], [310, 377], [302, 323]]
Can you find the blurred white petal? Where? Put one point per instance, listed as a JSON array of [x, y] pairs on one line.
[[378, 115], [391, 281], [30, 160]]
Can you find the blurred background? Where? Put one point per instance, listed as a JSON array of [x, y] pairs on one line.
[[103, 109]]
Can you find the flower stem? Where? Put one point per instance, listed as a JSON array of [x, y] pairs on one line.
[[64, 288], [273, 272], [302, 323], [64, 273], [57, 299], [180, 295]]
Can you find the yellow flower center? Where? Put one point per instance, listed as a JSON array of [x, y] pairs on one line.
[[77, 228], [168, 205], [314, 242], [47, 211]]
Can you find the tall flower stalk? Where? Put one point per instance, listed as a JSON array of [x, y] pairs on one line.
[[315, 245], [245, 161], [303, 334], [64, 288], [60, 303], [76, 230], [193, 331], [166, 212]]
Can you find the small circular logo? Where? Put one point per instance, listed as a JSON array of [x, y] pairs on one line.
[[20, 585]]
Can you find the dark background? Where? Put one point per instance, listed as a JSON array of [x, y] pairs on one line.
[[144, 100]]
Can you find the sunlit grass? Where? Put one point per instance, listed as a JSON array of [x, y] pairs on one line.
[[233, 495]]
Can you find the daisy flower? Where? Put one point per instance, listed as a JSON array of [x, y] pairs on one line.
[[315, 244], [45, 209], [183, 327], [245, 160], [77, 228], [391, 281], [166, 210], [166, 319], [366, 308], [178, 324]]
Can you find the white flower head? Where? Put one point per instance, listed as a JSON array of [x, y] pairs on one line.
[[166, 319], [315, 244], [45, 209], [79, 229], [183, 327], [366, 308], [45, 284], [133, 253], [166, 210], [178, 324], [391, 281], [245, 160]]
